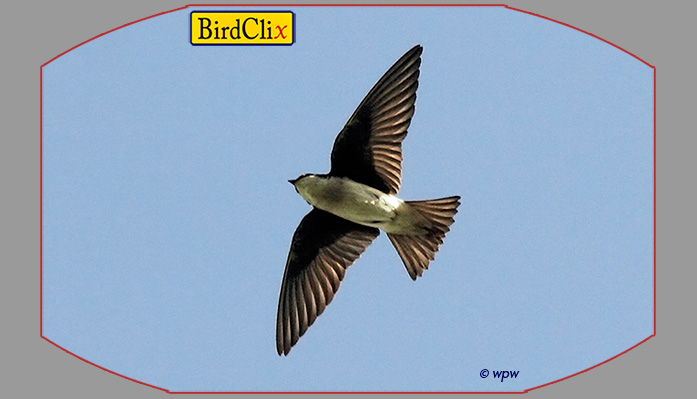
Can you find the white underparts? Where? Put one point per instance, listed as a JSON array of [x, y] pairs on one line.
[[361, 204]]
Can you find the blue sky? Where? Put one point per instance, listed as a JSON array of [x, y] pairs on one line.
[[167, 215]]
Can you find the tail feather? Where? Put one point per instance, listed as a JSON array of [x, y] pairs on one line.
[[417, 251]]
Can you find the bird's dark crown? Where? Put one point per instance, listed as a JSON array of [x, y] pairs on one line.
[[304, 175]]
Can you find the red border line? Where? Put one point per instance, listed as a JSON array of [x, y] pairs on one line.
[[109, 31], [580, 30], [105, 369], [345, 5], [340, 5], [41, 201], [654, 201], [592, 367]]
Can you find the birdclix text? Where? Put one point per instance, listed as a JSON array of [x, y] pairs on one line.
[[242, 28]]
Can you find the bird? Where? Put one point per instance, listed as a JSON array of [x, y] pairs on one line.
[[357, 199]]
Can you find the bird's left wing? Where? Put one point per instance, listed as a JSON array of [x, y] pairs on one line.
[[323, 247]]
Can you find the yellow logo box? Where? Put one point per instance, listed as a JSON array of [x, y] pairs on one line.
[[242, 28]]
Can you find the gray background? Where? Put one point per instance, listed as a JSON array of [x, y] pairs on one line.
[[660, 33]]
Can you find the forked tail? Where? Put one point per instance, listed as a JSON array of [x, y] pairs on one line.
[[417, 251]]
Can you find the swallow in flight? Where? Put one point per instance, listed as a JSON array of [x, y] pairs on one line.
[[355, 200]]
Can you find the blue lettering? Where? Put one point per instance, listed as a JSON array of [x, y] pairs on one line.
[[505, 374]]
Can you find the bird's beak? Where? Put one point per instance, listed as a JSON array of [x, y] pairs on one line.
[[293, 181]]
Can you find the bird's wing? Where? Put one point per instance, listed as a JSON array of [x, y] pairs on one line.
[[369, 148], [323, 247]]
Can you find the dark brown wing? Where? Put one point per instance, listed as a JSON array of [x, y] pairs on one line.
[[323, 247], [369, 148]]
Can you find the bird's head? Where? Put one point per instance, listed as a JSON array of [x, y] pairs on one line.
[[301, 180], [309, 185]]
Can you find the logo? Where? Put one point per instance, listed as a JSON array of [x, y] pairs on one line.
[[242, 28]]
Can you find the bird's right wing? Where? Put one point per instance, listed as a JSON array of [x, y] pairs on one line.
[[369, 148], [323, 247]]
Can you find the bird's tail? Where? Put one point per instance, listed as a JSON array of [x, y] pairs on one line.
[[418, 250]]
